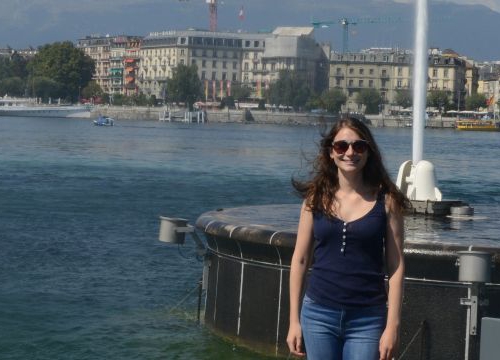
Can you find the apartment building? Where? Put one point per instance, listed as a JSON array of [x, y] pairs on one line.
[[224, 58], [116, 57], [99, 49], [294, 48], [109, 54], [489, 83], [217, 55], [391, 70], [131, 62]]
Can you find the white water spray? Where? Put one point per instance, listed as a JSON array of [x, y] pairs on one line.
[[420, 80], [417, 178]]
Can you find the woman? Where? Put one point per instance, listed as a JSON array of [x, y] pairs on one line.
[[351, 221]]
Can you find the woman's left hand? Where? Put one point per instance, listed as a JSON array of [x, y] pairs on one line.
[[388, 343]]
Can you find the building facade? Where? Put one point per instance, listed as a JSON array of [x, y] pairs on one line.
[[217, 57], [225, 59], [390, 71], [99, 49], [110, 54]]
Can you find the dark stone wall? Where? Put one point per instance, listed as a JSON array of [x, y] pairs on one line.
[[250, 250]]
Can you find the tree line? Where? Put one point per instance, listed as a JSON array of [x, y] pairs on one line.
[[60, 70]]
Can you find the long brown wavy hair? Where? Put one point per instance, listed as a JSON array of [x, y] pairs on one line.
[[319, 191]]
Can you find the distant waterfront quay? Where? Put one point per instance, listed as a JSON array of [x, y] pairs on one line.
[[261, 117]]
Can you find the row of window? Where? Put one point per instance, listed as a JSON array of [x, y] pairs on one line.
[[214, 76], [214, 64], [361, 71], [209, 41]]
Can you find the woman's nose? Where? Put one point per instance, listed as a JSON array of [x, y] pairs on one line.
[[350, 151]]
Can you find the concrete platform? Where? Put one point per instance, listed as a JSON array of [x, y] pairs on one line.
[[249, 252]]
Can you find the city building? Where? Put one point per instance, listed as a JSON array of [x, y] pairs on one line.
[[132, 61], [226, 59], [26, 53], [99, 49], [110, 54], [294, 48], [390, 71], [489, 83], [217, 56]]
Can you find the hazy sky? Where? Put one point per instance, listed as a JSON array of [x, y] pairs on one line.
[[36, 22]]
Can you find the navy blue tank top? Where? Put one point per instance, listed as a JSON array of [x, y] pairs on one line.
[[349, 260]]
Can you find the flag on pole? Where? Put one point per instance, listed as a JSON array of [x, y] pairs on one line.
[[490, 101], [228, 88], [213, 89], [221, 83], [206, 90], [241, 14]]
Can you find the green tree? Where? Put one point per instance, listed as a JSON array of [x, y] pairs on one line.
[[475, 101], [92, 89], [228, 101], [18, 66], [290, 89], [13, 86], [240, 92], [64, 64], [119, 99], [403, 98], [438, 98], [371, 99], [45, 88], [4, 67], [315, 101], [185, 85], [333, 100]]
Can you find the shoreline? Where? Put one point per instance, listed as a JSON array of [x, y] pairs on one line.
[[259, 117]]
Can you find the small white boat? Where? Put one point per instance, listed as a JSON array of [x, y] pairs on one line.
[[104, 121]]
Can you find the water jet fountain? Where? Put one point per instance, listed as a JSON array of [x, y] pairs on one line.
[[417, 177]]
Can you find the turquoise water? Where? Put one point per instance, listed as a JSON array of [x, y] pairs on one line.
[[83, 275]]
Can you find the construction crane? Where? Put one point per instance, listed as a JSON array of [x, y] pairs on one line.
[[345, 22], [212, 10]]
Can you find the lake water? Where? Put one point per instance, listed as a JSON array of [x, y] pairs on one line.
[[82, 274]]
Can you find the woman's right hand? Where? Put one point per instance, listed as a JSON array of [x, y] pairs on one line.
[[294, 340]]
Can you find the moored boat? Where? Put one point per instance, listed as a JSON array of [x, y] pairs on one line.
[[30, 108], [477, 125], [104, 121]]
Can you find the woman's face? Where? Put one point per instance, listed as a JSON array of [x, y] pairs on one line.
[[350, 152]]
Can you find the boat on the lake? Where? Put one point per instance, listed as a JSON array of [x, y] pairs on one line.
[[27, 107], [104, 121], [477, 125]]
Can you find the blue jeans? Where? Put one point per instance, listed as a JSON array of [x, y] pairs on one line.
[[341, 334]]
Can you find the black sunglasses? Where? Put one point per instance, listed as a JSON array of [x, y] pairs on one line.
[[359, 146]]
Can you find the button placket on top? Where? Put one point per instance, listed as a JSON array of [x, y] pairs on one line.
[[344, 238]]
